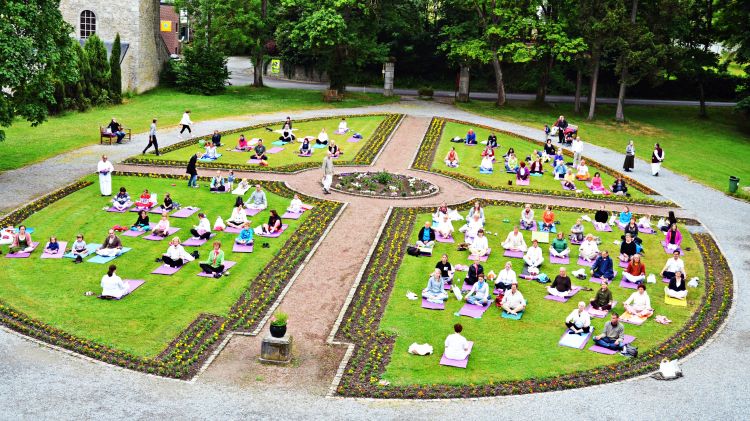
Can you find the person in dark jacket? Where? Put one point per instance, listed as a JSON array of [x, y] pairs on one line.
[[426, 236], [472, 275], [628, 248], [192, 171], [216, 138], [561, 124], [603, 267]]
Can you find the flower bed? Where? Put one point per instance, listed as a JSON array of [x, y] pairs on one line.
[[373, 346], [426, 155], [382, 184], [183, 357]]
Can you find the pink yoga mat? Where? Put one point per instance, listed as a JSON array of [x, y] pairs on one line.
[[576, 242], [275, 149], [668, 251], [132, 233], [157, 210], [242, 248], [23, 254], [584, 262], [341, 132], [252, 211], [228, 264], [522, 182], [479, 258], [185, 212], [167, 270], [515, 254], [132, 284], [562, 183], [465, 287], [626, 284], [60, 252], [573, 340], [599, 314], [457, 363], [432, 306], [113, 209], [559, 260], [154, 237], [195, 242], [565, 299], [622, 264], [607, 228], [473, 310], [646, 230], [275, 234], [232, 230], [626, 339], [440, 239], [253, 161], [292, 215]]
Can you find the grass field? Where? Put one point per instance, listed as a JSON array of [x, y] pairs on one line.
[[25, 144], [363, 125], [470, 158], [507, 349], [144, 322], [705, 150]]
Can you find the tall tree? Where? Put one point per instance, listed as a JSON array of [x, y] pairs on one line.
[[96, 54], [115, 73], [732, 17], [36, 54], [246, 23]]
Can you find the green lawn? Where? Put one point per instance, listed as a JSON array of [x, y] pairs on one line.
[[144, 322], [25, 144], [510, 350], [363, 125], [708, 151], [470, 158]]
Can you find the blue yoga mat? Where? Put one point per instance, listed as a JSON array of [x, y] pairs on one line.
[[316, 146], [90, 247], [106, 259]]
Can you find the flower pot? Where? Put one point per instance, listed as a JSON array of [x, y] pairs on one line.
[[278, 331]]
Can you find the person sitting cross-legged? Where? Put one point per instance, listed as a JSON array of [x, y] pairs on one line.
[[218, 183], [111, 245], [245, 237], [445, 227], [471, 137], [257, 199], [21, 241], [588, 250], [479, 293], [445, 268], [112, 285], [53, 246], [527, 217], [579, 320], [676, 288], [214, 263], [603, 298], [162, 227], [522, 173], [506, 277], [434, 291], [673, 238], [451, 159], [479, 246], [259, 153], [674, 264], [636, 270], [559, 246], [272, 226], [176, 255], [238, 217], [513, 301], [122, 201], [511, 164], [514, 241], [576, 231], [548, 219], [569, 180], [612, 335], [628, 248], [305, 149], [603, 267], [203, 229], [142, 223], [639, 303], [456, 346], [562, 285], [472, 275], [426, 236], [533, 257]]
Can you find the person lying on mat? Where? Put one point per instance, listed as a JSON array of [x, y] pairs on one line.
[[79, 248], [569, 180], [242, 143], [445, 227], [145, 201], [514, 241], [579, 320], [559, 247], [176, 255], [471, 137], [203, 229], [112, 285], [628, 248], [434, 291], [582, 171], [479, 246], [673, 238], [562, 285], [21, 241], [472, 227], [487, 164], [513, 301], [167, 205], [522, 173], [214, 263], [142, 223], [122, 201], [511, 164], [162, 227], [274, 223], [334, 149], [632, 229], [560, 170], [639, 304], [536, 167], [625, 216], [676, 288], [238, 217], [305, 148], [426, 236], [601, 217], [612, 335], [619, 187], [472, 275], [257, 199], [588, 250], [259, 152], [492, 140], [506, 277], [527, 217], [218, 183], [245, 237], [576, 231], [295, 205], [603, 299], [479, 293], [451, 159], [476, 209], [533, 256], [674, 264], [446, 270], [548, 219], [603, 267], [322, 137], [456, 346], [636, 270], [111, 245], [53, 246]]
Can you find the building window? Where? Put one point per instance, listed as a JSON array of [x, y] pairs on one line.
[[88, 24]]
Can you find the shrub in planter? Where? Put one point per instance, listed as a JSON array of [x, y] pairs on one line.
[[278, 324]]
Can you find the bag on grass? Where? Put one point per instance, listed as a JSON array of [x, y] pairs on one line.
[[412, 251], [630, 351]]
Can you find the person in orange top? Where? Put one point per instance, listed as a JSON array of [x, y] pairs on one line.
[[636, 270], [548, 219]]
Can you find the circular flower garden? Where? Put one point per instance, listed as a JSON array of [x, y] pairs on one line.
[[383, 184]]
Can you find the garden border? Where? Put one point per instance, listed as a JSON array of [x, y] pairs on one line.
[[373, 196]]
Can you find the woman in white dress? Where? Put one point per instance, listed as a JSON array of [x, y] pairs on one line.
[[112, 285], [105, 168]]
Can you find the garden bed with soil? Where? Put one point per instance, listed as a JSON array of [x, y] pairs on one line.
[[383, 184]]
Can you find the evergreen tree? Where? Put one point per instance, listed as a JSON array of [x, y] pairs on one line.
[[96, 54], [115, 75], [82, 89]]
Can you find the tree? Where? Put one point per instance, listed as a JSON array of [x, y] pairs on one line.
[[246, 23], [202, 70], [96, 54], [81, 88], [732, 17], [35, 56], [115, 75]]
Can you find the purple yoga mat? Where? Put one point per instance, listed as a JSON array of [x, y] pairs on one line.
[[341, 132], [132, 284], [622, 264], [153, 237], [665, 280], [457, 363], [668, 251], [532, 228], [515, 254], [576, 242], [112, 209], [242, 248], [166, 270], [252, 211], [195, 242], [440, 239], [584, 262], [600, 280], [132, 233], [292, 215], [562, 299], [559, 260], [607, 228], [232, 230], [228, 264], [626, 284], [465, 287], [353, 139], [60, 251], [185, 212], [522, 182], [253, 161], [599, 314], [157, 210], [562, 183], [646, 230], [275, 149], [22, 254], [432, 306], [473, 310], [275, 234], [626, 339], [573, 340], [478, 258]]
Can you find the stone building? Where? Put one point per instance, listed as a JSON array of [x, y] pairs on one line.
[[138, 23]]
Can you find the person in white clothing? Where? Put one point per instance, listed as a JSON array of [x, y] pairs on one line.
[[588, 250], [162, 227], [480, 246], [456, 346], [674, 264], [295, 206], [105, 168], [327, 173], [479, 293], [513, 301], [242, 187], [506, 277], [577, 148], [185, 122], [322, 137], [527, 217], [112, 285], [639, 304], [472, 227], [238, 218], [342, 126], [657, 157], [476, 209], [445, 227], [258, 199], [176, 255], [434, 291], [514, 241], [579, 320], [533, 256], [203, 229]]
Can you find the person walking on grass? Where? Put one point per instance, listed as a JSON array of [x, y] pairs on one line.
[[327, 173], [192, 171], [186, 123], [152, 138], [629, 158]]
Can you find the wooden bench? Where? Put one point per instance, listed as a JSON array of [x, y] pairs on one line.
[[332, 95], [104, 136]]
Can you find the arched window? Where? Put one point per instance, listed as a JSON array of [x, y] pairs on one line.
[[88, 24]]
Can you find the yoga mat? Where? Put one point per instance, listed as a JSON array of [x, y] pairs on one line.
[[599, 314], [559, 260], [167, 270], [136, 209], [622, 264], [275, 149], [473, 310], [576, 242], [302, 155], [517, 316], [584, 262], [341, 132], [232, 230], [599, 280], [278, 143], [242, 248], [565, 299], [23, 254], [440, 239], [668, 251], [523, 182], [106, 259], [157, 210], [482, 258], [113, 209], [90, 247], [432, 306], [252, 211], [457, 363], [465, 287], [228, 264], [185, 212], [606, 228], [553, 230], [562, 183], [60, 251], [154, 237], [484, 171], [317, 146], [574, 340], [632, 319], [277, 233], [132, 233], [665, 280], [674, 301], [253, 161], [540, 236], [532, 228], [627, 284], [292, 215], [620, 226], [646, 230], [196, 242], [132, 284], [626, 339], [353, 139], [515, 254]]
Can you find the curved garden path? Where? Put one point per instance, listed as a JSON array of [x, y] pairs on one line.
[[234, 385]]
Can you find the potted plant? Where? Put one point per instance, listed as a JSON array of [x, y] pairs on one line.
[[278, 324]]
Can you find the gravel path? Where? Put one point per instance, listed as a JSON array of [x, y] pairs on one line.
[[64, 386]]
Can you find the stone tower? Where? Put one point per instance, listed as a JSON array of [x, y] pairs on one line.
[[137, 22]]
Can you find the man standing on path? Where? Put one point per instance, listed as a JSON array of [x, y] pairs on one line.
[[152, 138], [577, 148], [327, 173], [192, 171], [105, 168]]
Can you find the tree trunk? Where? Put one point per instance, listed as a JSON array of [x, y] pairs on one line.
[[577, 99], [620, 113], [258, 67], [595, 59], [499, 84], [541, 90], [703, 113]]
